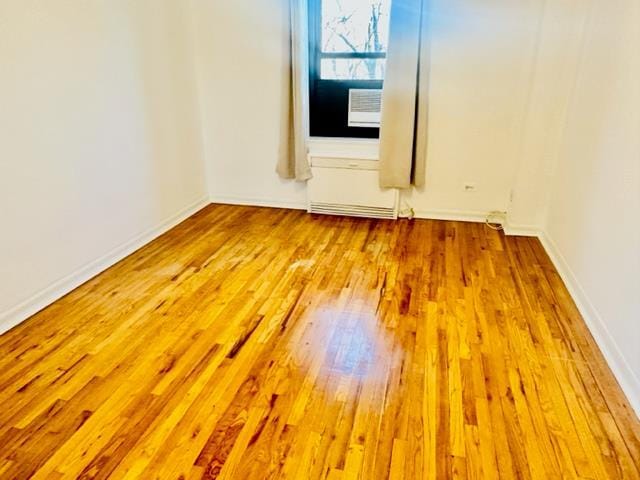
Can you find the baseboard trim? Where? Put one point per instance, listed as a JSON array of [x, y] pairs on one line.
[[452, 215], [625, 376], [19, 313], [257, 202], [512, 230]]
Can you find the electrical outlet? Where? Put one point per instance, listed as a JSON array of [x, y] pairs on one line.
[[469, 187]]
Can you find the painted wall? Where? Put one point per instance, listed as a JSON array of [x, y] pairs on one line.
[[482, 57], [593, 223], [99, 136], [242, 62], [552, 88]]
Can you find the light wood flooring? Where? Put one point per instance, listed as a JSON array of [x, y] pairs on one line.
[[252, 343]]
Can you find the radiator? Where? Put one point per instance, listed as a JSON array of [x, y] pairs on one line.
[[349, 187]]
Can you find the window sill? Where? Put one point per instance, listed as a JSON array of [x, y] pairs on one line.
[[347, 148]]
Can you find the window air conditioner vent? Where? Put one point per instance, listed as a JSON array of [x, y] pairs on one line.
[[365, 106]]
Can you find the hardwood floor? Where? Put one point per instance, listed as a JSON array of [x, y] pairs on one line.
[[253, 343]]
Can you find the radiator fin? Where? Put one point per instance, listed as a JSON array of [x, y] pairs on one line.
[[352, 210]]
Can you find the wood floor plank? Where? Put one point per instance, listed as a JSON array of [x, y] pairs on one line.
[[253, 343]]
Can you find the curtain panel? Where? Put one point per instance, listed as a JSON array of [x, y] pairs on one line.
[[292, 158], [403, 133]]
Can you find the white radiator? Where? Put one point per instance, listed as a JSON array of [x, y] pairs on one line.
[[349, 187]]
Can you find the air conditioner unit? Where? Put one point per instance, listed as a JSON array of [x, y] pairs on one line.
[[365, 106]]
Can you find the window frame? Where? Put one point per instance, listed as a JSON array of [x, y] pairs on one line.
[[329, 98]]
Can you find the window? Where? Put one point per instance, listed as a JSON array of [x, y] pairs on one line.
[[348, 45]]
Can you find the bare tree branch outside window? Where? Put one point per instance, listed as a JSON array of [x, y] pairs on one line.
[[358, 26]]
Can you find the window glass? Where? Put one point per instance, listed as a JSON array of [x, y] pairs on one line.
[[348, 42], [352, 68], [358, 26]]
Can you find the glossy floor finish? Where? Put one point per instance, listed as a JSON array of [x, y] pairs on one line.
[[253, 343]]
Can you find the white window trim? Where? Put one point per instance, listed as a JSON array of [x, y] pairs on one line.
[[347, 148]]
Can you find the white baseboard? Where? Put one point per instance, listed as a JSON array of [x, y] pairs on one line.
[[512, 230], [58, 289], [613, 355], [477, 217], [257, 202], [452, 215]]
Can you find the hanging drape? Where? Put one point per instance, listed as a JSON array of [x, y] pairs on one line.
[[403, 133], [294, 124]]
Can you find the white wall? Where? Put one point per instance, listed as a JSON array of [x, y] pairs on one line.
[[482, 56], [552, 88], [593, 226], [240, 47], [99, 138]]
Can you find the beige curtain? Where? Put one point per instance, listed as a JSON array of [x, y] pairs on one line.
[[292, 158], [403, 134]]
